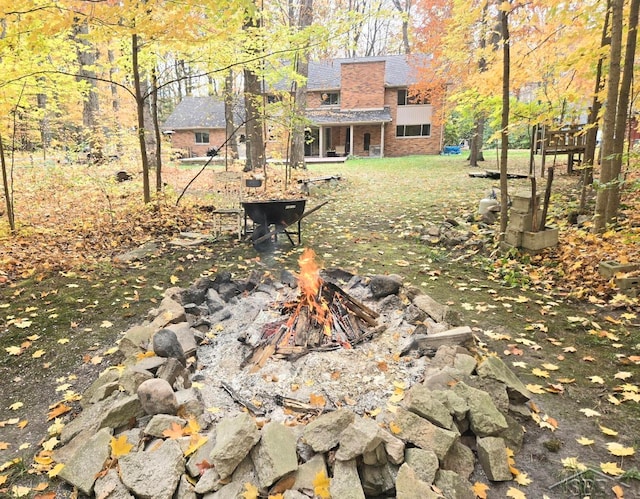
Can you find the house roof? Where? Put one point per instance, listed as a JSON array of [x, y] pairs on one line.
[[400, 70], [350, 116], [199, 112]]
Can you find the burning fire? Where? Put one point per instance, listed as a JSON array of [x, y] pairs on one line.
[[310, 285]]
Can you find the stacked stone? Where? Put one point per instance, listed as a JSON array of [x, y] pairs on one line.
[[425, 444], [523, 229]]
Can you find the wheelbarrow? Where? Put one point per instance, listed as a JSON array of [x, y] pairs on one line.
[[274, 216]]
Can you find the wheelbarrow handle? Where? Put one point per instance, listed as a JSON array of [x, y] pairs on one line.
[[284, 226]]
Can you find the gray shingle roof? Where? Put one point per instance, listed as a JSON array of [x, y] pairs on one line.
[[335, 116], [199, 112]]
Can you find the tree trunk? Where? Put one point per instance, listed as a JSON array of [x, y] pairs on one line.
[[156, 129], [296, 155], [622, 113], [504, 132], [7, 192], [253, 108], [228, 113], [609, 121], [135, 68], [475, 147]]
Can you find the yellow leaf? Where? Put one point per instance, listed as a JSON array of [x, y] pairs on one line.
[[195, 442], [53, 472], [63, 341], [50, 444], [522, 479], [192, 427], [41, 486], [590, 412], [480, 490], [106, 324], [13, 350], [611, 469], [585, 441], [620, 450], [174, 279], [623, 375], [608, 431], [38, 353], [515, 493], [596, 379], [572, 463], [150, 353], [250, 491], [317, 400], [20, 491], [16, 405], [395, 429], [321, 485], [537, 389], [120, 446], [4, 445], [3, 479], [550, 367]]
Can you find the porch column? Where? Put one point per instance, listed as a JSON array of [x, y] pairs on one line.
[[350, 151], [321, 141], [382, 139]]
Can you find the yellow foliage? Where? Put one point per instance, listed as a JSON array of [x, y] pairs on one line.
[[321, 484]]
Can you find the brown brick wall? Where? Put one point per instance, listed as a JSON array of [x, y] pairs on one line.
[[362, 85], [185, 140]]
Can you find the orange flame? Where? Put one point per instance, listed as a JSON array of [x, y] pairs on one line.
[[309, 278]]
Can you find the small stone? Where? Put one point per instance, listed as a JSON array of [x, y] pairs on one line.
[[385, 285], [345, 483], [157, 397], [166, 344], [324, 432], [492, 454]]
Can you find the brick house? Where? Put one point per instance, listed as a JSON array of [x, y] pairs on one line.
[[355, 107]]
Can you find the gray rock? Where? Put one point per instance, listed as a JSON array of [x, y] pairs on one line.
[[456, 405], [385, 285], [453, 486], [378, 480], [492, 454], [413, 315], [83, 468], [460, 459], [135, 340], [201, 455], [345, 483], [514, 435], [151, 364], [275, 455], [465, 363], [362, 435], [190, 403], [132, 377], [155, 473], [166, 344], [109, 486], [484, 418], [209, 481], [294, 494], [393, 446], [435, 310], [494, 368], [120, 412], [157, 397], [169, 312], [213, 301], [324, 432], [186, 338], [185, 489], [308, 471], [441, 378], [409, 485], [235, 437], [174, 373], [424, 463], [161, 422], [496, 390], [196, 292], [420, 401], [97, 391], [423, 434], [233, 490]]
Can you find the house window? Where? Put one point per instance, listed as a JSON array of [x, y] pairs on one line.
[[330, 98], [367, 141], [202, 137], [413, 130], [406, 99]]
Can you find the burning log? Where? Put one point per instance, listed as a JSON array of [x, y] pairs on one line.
[[324, 317]]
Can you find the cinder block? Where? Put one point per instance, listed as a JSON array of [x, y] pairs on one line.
[[625, 283], [610, 268], [522, 221], [513, 238], [535, 241], [521, 202]]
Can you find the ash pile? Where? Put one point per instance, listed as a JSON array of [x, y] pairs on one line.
[[345, 386]]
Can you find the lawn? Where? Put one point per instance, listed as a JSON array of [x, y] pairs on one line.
[[64, 302]]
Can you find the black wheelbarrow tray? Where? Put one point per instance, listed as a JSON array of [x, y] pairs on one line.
[[277, 213]]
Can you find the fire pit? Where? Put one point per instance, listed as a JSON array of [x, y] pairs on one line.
[[323, 317]]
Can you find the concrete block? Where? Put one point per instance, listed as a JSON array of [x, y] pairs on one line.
[[535, 241], [625, 283], [522, 222], [521, 202], [513, 237], [610, 268]]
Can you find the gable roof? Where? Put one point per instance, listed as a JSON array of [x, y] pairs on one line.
[[199, 112], [400, 70]]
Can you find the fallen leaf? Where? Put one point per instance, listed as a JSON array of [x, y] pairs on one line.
[[480, 490], [620, 450], [394, 428], [585, 441], [53, 472], [623, 375], [596, 379], [522, 479], [57, 410], [174, 431], [611, 469], [16, 405], [617, 490], [572, 463], [537, 389], [20, 491], [590, 412], [540, 373], [608, 431], [515, 493], [120, 446], [321, 485], [317, 400], [195, 442]]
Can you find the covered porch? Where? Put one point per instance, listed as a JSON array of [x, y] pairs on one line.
[[339, 134]]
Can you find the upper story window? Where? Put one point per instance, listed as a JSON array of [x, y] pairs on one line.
[[330, 98], [406, 99], [202, 137]]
